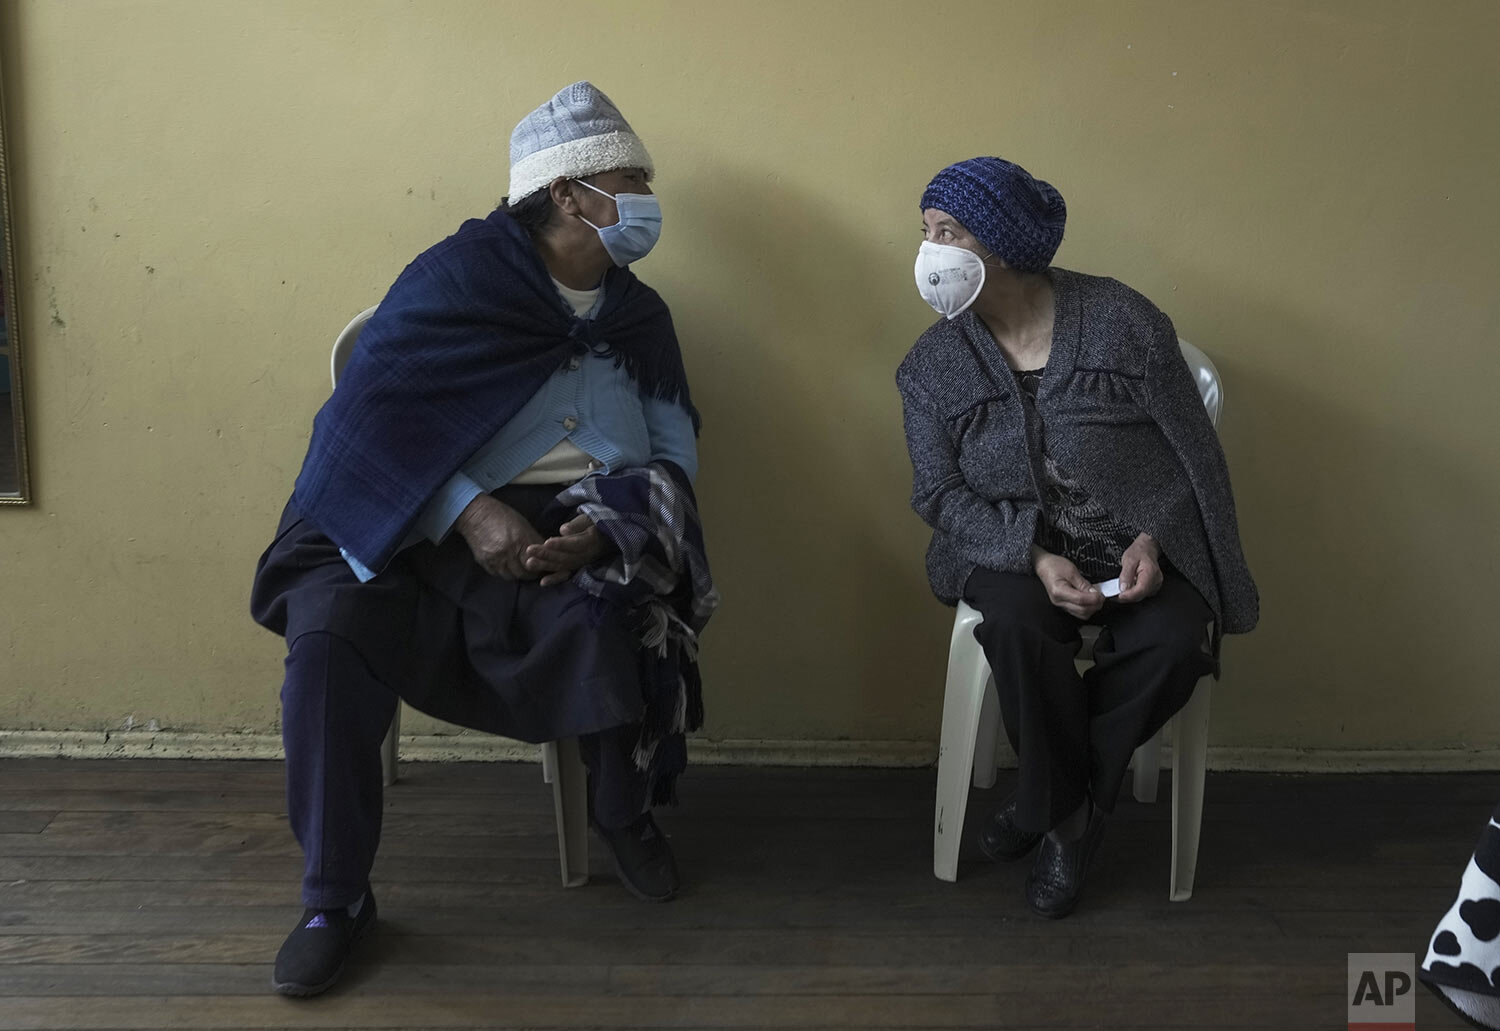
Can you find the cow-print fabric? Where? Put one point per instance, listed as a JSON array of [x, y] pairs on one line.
[[1463, 958]]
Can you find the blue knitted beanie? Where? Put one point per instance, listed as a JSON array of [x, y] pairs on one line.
[[1019, 218]]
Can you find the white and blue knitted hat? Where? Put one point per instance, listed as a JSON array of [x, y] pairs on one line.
[[579, 132]]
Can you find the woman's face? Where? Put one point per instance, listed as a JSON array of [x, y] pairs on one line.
[[940, 227], [601, 210]]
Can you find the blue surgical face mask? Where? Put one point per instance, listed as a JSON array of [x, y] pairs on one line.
[[637, 230]]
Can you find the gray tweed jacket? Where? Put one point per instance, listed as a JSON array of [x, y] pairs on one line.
[[1122, 415]]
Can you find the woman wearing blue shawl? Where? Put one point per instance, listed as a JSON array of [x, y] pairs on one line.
[[478, 525]]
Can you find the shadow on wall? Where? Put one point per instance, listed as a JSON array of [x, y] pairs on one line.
[[1353, 528], [805, 468]]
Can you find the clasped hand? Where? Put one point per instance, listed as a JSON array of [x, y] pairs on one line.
[[505, 544]]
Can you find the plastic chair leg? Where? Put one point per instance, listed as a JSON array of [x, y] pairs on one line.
[[963, 698], [388, 749], [987, 740], [1146, 767], [570, 806], [549, 763], [1189, 768]]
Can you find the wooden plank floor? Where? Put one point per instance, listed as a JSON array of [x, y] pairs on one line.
[[154, 894]]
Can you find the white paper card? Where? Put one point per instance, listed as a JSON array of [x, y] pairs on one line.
[[1110, 588]]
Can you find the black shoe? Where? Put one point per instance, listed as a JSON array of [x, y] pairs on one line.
[[1001, 840], [643, 859], [1056, 879], [313, 955]]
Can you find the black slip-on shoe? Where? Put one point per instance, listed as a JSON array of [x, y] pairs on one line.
[[1056, 879], [643, 859], [1001, 840], [313, 956]]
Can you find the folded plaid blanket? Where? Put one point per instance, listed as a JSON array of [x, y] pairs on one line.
[[659, 575]]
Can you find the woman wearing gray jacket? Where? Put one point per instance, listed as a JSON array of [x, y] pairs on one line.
[[1058, 442]]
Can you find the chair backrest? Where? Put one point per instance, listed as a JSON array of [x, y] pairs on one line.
[[1206, 375], [343, 347]]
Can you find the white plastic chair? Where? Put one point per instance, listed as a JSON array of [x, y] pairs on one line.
[[562, 766], [972, 728]]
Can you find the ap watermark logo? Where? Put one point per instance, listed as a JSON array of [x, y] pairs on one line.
[[1382, 994]]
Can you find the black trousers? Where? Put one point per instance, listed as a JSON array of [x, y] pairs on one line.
[[335, 713], [1072, 734]]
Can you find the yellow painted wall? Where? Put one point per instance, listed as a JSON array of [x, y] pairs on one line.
[[207, 191]]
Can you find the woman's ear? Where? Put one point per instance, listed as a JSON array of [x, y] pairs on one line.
[[561, 190]]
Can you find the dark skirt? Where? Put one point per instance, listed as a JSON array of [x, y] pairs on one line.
[[513, 658]]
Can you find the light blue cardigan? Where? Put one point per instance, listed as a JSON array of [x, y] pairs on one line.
[[609, 416]]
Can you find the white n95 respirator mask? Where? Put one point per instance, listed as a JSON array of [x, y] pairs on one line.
[[949, 278]]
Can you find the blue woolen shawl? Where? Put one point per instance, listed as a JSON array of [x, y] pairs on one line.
[[467, 334]]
